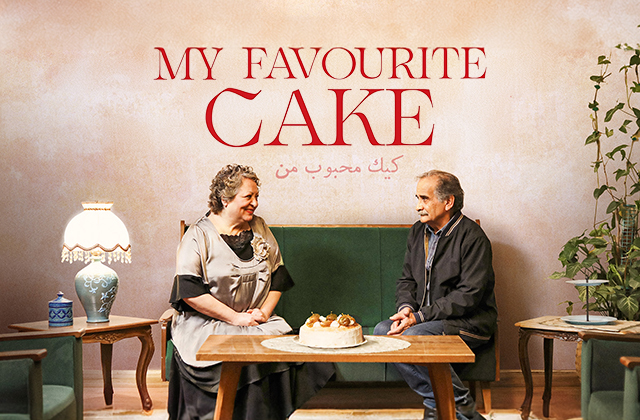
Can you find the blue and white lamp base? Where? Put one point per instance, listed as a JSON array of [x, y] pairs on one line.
[[96, 286]]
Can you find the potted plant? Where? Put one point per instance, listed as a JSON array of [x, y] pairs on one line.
[[610, 249]]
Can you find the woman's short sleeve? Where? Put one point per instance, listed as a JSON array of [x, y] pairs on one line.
[[189, 255], [186, 286], [281, 280]]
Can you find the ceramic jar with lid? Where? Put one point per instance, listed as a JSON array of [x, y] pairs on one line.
[[60, 312]]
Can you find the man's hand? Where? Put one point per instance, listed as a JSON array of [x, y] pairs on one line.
[[401, 321]]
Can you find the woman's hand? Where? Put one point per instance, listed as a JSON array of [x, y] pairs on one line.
[[244, 319], [258, 315], [263, 313], [212, 307]]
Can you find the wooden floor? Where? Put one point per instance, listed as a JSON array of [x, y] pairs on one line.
[[507, 395]]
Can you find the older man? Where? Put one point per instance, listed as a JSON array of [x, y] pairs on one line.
[[446, 285]]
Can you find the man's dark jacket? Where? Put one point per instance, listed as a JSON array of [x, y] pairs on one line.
[[461, 279]]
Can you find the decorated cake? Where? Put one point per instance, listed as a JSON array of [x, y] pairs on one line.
[[332, 331]]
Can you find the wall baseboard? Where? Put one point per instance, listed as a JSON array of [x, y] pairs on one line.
[[514, 378], [93, 377]]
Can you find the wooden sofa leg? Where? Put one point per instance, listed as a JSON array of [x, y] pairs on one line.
[[163, 351], [483, 404], [486, 396]]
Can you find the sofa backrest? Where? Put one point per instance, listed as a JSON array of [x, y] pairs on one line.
[[349, 269]]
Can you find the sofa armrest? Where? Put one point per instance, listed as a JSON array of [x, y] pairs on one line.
[[166, 316], [631, 398], [21, 383], [35, 355], [630, 362]]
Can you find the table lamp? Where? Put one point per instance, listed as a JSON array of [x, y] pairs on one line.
[[94, 236]]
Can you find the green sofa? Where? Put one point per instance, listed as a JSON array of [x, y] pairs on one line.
[[41, 375], [352, 269]]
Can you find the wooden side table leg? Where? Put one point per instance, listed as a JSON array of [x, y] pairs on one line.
[[523, 353], [106, 352], [548, 373], [440, 374], [146, 353], [229, 376]]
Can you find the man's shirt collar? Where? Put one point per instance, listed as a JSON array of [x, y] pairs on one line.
[[449, 226]]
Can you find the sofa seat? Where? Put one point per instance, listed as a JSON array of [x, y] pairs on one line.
[[58, 402], [606, 405]]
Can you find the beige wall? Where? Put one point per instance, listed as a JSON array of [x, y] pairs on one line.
[[82, 118]]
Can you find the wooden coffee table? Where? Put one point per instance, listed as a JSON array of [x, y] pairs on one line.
[[435, 352], [107, 333]]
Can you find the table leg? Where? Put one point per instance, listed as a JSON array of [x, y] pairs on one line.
[[146, 353], [229, 376], [548, 373], [523, 352], [440, 374], [106, 352]]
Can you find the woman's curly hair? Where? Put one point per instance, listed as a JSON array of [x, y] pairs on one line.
[[226, 184]]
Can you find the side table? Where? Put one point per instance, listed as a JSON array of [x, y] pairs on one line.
[[550, 328], [107, 333]]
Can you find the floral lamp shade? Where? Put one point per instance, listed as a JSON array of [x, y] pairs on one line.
[[94, 236]]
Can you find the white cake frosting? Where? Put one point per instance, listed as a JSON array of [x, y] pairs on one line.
[[331, 331]]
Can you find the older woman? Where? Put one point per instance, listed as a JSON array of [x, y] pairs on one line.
[[229, 278]]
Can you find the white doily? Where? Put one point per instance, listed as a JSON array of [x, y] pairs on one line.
[[374, 344]]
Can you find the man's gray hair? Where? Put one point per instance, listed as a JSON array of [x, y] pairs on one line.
[[448, 185]]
